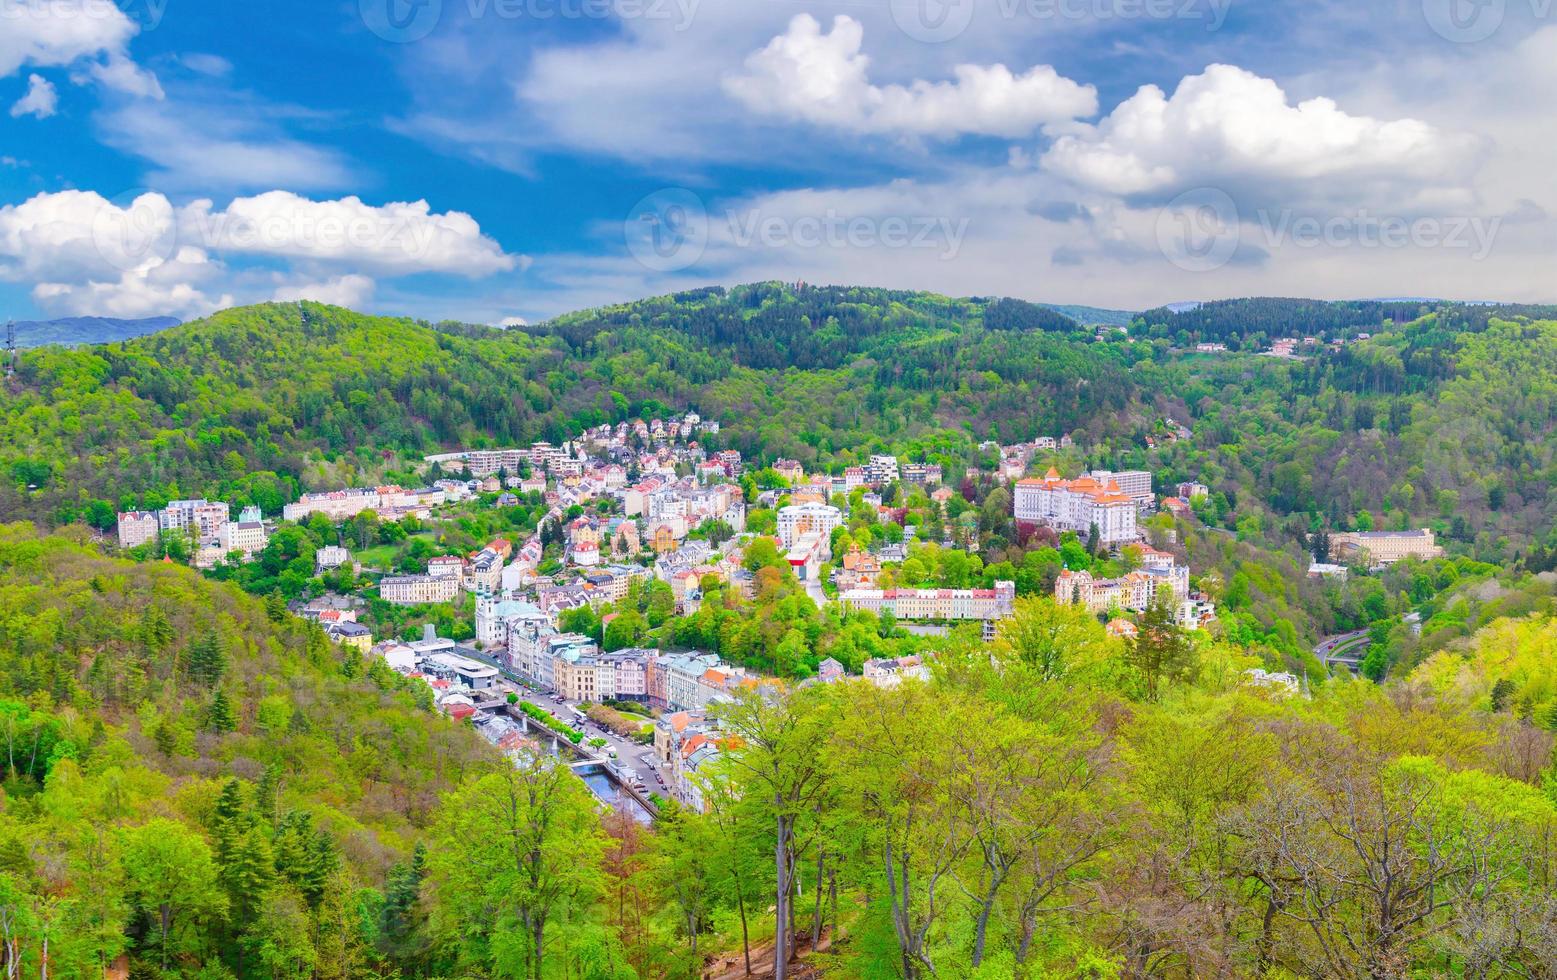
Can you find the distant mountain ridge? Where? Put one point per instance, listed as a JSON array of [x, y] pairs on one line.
[[88, 329], [1092, 316]]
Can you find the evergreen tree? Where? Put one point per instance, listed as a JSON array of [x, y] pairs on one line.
[[1160, 650], [220, 717], [399, 919], [205, 660]]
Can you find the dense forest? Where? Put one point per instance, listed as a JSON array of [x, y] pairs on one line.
[[196, 777]]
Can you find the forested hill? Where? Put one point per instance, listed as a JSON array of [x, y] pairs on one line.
[[771, 325], [199, 778], [1444, 421], [240, 403], [87, 330], [1250, 324]]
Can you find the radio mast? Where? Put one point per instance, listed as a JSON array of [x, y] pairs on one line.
[[10, 348]]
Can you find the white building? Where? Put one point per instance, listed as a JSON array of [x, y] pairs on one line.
[[1077, 505], [245, 536], [137, 527], [811, 518], [331, 556], [1135, 484], [993, 603], [418, 590]]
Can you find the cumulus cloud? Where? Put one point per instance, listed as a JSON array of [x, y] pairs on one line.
[[1230, 125], [41, 99], [823, 78], [156, 287], [66, 32], [86, 254], [398, 238], [345, 290]]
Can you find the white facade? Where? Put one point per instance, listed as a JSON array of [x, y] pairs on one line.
[[798, 519], [1077, 505], [417, 590]]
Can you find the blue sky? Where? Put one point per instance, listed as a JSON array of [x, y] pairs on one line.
[[493, 160]]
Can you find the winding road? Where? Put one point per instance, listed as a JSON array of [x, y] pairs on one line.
[[1347, 649]]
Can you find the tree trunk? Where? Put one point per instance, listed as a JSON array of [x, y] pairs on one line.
[[832, 898], [816, 911], [167, 920], [1029, 924], [740, 903], [986, 907], [538, 930], [1262, 956], [780, 896]]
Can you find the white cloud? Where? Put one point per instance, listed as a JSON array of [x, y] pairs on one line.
[[86, 254], [123, 75], [1228, 125], [823, 78], [399, 238], [348, 290], [41, 99], [220, 143], [65, 32], [156, 287]]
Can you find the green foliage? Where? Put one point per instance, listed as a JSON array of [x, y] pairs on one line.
[[149, 811]]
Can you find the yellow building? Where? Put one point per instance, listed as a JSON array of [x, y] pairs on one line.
[[1383, 547]]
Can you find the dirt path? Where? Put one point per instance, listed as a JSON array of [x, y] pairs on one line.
[[731, 965]]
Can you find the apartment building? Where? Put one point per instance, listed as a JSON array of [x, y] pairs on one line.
[[137, 527], [1135, 484], [245, 536], [949, 604], [798, 519], [1159, 575], [417, 590], [202, 517]]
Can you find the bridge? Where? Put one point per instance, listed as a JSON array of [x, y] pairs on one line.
[[1347, 650]]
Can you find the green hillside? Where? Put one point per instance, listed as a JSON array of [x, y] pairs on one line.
[[1416, 426], [178, 754]]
